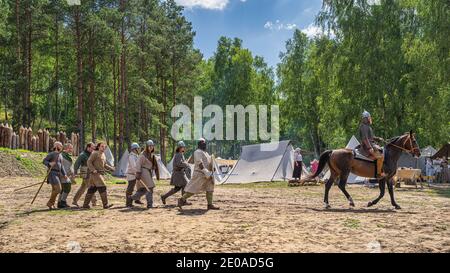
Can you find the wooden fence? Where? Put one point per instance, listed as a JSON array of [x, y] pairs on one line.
[[40, 141]]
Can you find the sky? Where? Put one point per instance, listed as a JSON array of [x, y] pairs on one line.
[[263, 25]]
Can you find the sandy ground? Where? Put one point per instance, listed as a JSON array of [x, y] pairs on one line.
[[252, 219]]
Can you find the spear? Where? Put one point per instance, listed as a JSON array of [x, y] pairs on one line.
[[42, 183], [29, 186]]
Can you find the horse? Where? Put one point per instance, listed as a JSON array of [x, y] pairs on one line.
[[342, 162]]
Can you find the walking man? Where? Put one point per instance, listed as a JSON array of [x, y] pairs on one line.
[[66, 184], [202, 178], [146, 164], [179, 177], [54, 162], [97, 169], [131, 173], [81, 166]]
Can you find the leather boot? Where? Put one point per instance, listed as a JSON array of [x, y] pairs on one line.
[[87, 200], [212, 207], [51, 202], [380, 173], [94, 201], [104, 197], [129, 201], [181, 203]]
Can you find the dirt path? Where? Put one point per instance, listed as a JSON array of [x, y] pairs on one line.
[[251, 220]]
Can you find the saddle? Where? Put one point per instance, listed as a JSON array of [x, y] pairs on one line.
[[360, 154]]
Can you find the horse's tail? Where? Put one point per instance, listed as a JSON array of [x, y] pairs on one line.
[[324, 158]]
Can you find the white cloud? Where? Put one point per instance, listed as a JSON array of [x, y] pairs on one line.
[[206, 4], [312, 31], [277, 25]]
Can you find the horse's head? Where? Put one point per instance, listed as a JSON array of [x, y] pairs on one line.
[[409, 143]]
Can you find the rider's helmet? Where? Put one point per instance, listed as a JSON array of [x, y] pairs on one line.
[[366, 114], [134, 146]]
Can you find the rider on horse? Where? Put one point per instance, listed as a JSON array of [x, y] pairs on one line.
[[368, 146]]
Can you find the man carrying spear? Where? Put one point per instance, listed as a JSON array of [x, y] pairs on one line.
[[54, 161]]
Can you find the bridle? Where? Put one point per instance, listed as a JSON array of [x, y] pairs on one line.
[[411, 150]]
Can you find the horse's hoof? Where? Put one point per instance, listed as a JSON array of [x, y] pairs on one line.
[[397, 207], [370, 204], [352, 204], [327, 206]]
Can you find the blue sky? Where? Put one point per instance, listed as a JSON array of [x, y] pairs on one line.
[[263, 25]]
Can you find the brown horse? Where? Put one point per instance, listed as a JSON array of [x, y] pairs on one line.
[[343, 162]]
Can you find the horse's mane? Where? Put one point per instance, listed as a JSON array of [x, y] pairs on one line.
[[394, 139]]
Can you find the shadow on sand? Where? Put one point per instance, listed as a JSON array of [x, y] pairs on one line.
[[192, 212], [352, 210]]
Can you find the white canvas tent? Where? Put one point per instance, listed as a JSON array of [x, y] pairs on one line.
[[121, 168], [164, 174], [109, 156], [263, 163], [352, 178]]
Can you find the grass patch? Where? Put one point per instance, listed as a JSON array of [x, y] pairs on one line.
[[444, 192], [29, 164], [440, 228], [262, 185], [62, 212], [352, 223]]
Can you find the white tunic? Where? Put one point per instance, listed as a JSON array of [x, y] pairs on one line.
[[131, 169], [202, 179]]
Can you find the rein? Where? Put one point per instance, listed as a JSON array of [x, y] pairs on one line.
[[402, 148]]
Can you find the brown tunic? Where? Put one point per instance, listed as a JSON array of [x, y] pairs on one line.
[[97, 162]]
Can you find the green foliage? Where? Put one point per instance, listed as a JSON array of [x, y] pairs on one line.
[[391, 59]]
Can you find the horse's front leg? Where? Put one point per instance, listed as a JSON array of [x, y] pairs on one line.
[[391, 193], [382, 186]]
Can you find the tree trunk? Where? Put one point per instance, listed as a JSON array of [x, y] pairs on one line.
[[92, 100], [56, 73], [29, 65], [18, 85], [122, 92], [114, 106], [80, 95]]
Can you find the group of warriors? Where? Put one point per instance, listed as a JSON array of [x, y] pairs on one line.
[[367, 160], [92, 167]]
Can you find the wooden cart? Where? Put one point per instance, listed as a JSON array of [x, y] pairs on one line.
[[408, 177]]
